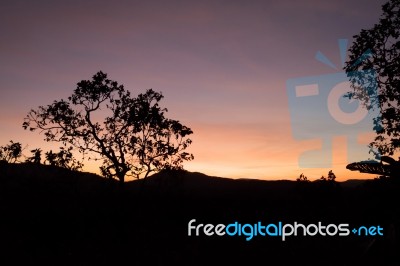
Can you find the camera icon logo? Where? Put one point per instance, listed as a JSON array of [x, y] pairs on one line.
[[319, 110]]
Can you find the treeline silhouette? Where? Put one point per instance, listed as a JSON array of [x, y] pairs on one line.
[[14, 153]]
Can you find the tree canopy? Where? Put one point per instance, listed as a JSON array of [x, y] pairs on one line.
[[130, 135], [374, 66], [11, 152]]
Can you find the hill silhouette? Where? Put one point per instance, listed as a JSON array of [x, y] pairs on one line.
[[54, 216]]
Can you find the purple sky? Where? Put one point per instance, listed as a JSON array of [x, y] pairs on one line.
[[221, 65]]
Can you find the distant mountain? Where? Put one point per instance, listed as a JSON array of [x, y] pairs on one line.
[[48, 179], [195, 183], [43, 172], [353, 182], [190, 182]]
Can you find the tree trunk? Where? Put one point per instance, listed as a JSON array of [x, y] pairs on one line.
[[121, 178]]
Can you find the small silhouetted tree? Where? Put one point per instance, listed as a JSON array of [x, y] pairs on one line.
[[51, 158], [130, 135], [302, 178], [331, 176], [11, 152], [36, 156], [374, 63], [64, 158]]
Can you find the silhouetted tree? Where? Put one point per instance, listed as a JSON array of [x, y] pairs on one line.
[[327, 188], [64, 158], [134, 138], [331, 176], [36, 156], [51, 158], [11, 152], [378, 49], [302, 178]]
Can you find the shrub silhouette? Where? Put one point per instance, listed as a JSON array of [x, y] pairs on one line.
[[11, 152], [331, 177], [36, 156], [302, 178], [63, 158]]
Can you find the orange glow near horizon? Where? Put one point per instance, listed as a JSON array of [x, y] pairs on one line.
[[262, 156], [236, 151]]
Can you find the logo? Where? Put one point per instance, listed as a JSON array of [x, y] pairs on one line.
[[279, 229], [319, 109]]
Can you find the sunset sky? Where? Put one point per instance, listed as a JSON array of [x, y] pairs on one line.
[[223, 67]]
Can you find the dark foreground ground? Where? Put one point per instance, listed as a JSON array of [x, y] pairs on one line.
[[51, 216]]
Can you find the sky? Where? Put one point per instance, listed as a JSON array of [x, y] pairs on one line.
[[227, 70]]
